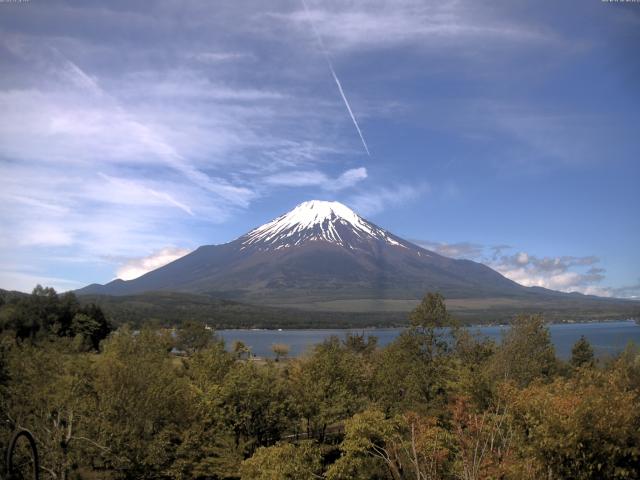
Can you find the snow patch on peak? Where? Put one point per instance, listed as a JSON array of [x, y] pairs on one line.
[[316, 212], [315, 220]]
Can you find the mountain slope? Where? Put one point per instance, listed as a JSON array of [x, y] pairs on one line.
[[322, 252]]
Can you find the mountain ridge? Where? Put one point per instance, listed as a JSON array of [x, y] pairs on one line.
[[322, 252]]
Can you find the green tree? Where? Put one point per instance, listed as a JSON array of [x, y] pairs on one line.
[[97, 330], [45, 313], [431, 312], [255, 403], [143, 405], [207, 451], [526, 352], [412, 372], [584, 427], [193, 336], [627, 366], [407, 446], [582, 354], [356, 343], [208, 448], [88, 331], [284, 461], [207, 367], [36, 314], [280, 350], [330, 385], [241, 349], [473, 355], [51, 394]]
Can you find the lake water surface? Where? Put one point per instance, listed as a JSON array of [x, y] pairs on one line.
[[607, 338]]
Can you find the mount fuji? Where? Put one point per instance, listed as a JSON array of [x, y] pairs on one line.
[[325, 256]]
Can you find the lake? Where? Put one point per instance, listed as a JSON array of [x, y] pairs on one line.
[[607, 338]]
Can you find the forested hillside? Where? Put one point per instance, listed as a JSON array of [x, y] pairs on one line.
[[168, 309], [420, 408]]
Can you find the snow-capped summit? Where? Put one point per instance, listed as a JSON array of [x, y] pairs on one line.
[[318, 221]]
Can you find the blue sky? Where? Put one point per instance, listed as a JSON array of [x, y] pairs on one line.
[[505, 132]]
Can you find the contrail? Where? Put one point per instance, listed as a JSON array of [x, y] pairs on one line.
[[346, 102], [335, 77]]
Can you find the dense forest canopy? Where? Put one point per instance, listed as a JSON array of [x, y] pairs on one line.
[[122, 405], [45, 313]]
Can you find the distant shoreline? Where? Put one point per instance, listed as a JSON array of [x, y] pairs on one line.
[[475, 325]]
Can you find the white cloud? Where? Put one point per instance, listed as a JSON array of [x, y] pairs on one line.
[[348, 179], [562, 273], [137, 267], [549, 136], [465, 250], [381, 23], [627, 291], [522, 258], [216, 57], [25, 282], [565, 273], [136, 193], [45, 234], [315, 178], [297, 178], [379, 199]]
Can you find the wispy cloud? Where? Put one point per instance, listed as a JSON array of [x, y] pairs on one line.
[[216, 57], [369, 24], [627, 291], [139, 194], [173, 146], [375, 201], [316, 178], [24, 282], [465, 250], [348, 179]]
